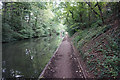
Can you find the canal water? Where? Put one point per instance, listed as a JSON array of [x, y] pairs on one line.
[[27, 58]]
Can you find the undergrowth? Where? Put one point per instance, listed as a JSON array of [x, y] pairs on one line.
[[103, 57]]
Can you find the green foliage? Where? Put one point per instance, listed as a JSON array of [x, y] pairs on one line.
[[27, 20], [81, 15], [107, 63], [88, 20], [21, 20]]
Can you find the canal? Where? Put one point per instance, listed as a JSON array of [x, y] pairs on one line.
[[27, 58]]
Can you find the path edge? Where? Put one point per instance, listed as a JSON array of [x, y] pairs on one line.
[[75, 52], [42, 73]]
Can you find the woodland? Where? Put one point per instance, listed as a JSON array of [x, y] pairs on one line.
[[93, 26]]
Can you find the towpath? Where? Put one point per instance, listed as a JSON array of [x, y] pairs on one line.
[[64, 64]]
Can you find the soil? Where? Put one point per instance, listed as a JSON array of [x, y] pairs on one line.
[[64, 63], [102, 40]]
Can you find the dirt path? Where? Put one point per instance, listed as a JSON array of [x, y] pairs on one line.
[[64, 64]]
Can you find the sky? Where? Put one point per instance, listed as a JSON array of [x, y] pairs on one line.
[[0, 5]]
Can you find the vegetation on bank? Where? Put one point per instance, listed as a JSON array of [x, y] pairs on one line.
[[100, 50], [95, 27], [21, 20], [94, 24]]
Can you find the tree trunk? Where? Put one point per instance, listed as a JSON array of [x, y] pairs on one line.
[[89, 18], [4, 11], [92, 8], [73, 16], [119, 9], [101, 15], [81, 18]]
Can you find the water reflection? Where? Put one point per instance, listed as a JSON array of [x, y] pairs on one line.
[[27, 58]]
